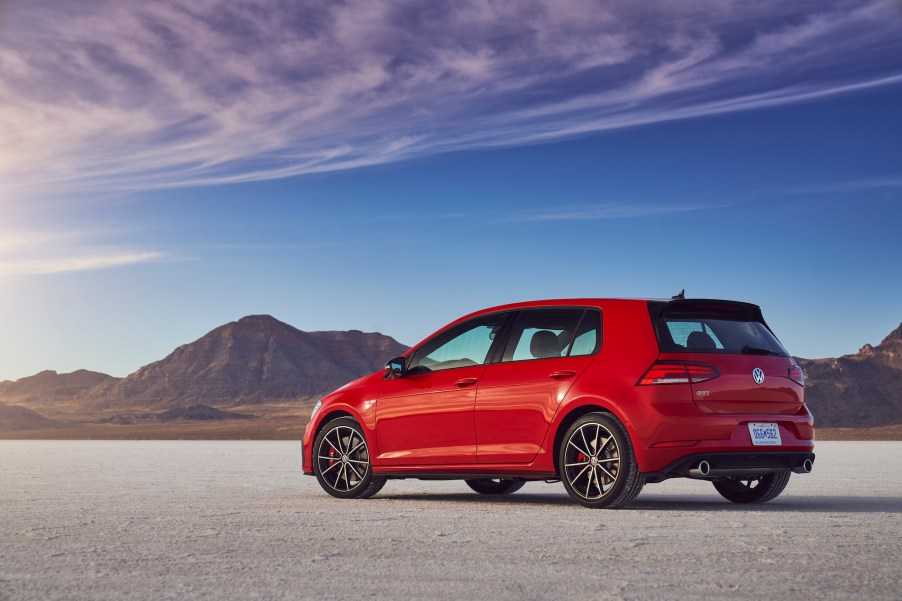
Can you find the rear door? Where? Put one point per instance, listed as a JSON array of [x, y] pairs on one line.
[[518, 394], [754, 367]]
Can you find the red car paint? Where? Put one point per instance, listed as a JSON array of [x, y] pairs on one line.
[[507, 418]]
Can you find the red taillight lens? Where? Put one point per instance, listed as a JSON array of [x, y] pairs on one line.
[[678, 372], [796, 375]]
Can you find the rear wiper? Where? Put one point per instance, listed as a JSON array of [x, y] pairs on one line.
[[751, 350]]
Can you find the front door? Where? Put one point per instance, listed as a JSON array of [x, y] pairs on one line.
[[427, 416]]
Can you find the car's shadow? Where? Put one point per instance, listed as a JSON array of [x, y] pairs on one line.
[[657, 502]]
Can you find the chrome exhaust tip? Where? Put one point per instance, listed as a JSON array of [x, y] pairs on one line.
[[701, 470], [805, 468]]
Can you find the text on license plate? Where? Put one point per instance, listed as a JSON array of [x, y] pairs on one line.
[[765, 434]]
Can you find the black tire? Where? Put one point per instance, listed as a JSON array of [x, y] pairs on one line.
[[600, 436], [496, 486], [340, 449], [375, 486], [759, 489]]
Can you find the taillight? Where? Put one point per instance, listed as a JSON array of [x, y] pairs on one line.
[[796, 375], [678, 372]]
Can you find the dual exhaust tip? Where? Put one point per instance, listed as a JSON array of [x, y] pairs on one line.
[[703, 469], [805, 468]]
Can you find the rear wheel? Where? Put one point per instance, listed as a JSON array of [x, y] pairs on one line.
[[495, 486], [342, 461], [757, 489], [597, 463]]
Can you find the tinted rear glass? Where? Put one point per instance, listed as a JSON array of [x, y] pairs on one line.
[[697, 333]]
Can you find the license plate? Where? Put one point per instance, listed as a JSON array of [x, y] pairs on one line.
[[764, 435]]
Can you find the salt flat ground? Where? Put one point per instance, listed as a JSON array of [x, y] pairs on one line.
[[235, 520]]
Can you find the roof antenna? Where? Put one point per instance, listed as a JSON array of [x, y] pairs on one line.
[[680, 296]]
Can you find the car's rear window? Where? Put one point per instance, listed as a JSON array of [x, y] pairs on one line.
[[687, 331]]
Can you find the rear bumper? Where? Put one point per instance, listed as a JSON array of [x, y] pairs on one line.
[[665, 433], [755, 463]]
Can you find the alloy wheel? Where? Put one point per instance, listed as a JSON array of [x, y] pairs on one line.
[[592, 461], [343, 459]]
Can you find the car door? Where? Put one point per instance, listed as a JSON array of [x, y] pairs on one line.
[[426, 417], [545, 352]]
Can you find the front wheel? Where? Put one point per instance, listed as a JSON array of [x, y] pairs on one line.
[[756, 489], [597, 463], [495, 487], [342, 461]]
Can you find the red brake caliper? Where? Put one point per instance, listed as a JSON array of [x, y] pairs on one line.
[[332, 453]]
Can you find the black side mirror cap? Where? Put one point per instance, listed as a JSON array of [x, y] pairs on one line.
[[396, 367]]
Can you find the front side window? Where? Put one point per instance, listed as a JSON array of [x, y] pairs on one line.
[[465, 345], [550, 333]]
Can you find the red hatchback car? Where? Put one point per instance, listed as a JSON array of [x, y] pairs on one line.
[[602, 394]]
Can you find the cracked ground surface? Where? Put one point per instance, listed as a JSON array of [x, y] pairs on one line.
[[236, 520]]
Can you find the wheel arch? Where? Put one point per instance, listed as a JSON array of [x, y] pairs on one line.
[[575, 411], [334, 414]]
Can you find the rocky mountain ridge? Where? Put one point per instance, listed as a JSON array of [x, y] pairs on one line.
[[255, 360], [259, 363], [859, 390]]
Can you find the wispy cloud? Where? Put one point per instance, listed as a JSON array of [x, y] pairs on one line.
[[859, 185], [268, 246], [120, 94], [45, 252], [607, 211]]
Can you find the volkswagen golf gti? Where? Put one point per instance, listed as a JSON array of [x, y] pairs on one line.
[[604, 395]]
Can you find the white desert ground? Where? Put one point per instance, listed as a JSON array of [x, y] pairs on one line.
[[236, 520]]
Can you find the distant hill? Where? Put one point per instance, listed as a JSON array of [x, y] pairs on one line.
[[255, 360], [49, 387], [14, 417], [278, 369], [864, 389], [192, 413]]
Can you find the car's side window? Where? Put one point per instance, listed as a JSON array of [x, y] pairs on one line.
[[545, 334], [588, 335], [462, 346]]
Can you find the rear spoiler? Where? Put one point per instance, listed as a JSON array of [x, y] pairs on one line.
[[705, 307]]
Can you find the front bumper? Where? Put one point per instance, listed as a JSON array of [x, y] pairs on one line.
[[307, 449]]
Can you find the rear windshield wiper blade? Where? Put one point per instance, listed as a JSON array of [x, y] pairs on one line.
[[751, 350]]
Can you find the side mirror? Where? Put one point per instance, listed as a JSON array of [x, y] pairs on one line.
[[394, 368]]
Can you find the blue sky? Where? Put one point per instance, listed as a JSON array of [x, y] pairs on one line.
[[167, 168]]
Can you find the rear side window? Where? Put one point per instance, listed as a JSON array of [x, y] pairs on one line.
[[588, 336], [553, 333], [680, 333]]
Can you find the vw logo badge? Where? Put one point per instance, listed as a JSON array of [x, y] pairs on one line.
[[758, 375]]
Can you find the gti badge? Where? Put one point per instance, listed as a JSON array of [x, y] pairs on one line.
[[758, 375]]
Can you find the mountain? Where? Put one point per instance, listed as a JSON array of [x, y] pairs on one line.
[[278, 369], [13, 417], [864, 389], [192, 413], [255, 360], [49, 387]]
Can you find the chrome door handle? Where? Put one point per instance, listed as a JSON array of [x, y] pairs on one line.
[[466, 382], [562, 374]]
